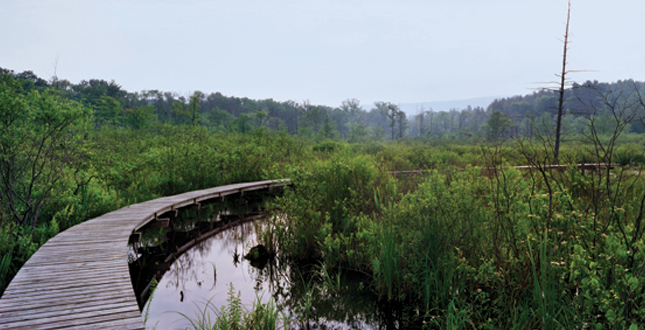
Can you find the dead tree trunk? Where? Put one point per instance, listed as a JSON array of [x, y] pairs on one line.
[[556, 149]]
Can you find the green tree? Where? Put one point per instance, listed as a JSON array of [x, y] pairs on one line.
[[328, 127], [546, 103], [393, 116], [194, 106], [352, 110], [357, 132], [420, 117], [40, 138], [140, 117], [378, 132], [378, 115], [188, 113], [260, 117], [529, 125], [181, 111], [498, 125], [243, 123], [108, 111], [352, 106], [219, 120], [313, 116], [401, 119]]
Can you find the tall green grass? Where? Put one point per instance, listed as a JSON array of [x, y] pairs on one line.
[[123, 167], [513, 250], [465, 250], [234, 316]]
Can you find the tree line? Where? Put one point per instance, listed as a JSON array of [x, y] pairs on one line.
[[521, 115]]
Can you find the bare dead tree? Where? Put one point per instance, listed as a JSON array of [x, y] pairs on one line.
[[556, 149], [54, 82]]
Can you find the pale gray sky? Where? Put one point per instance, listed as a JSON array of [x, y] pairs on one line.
[[400, 51]]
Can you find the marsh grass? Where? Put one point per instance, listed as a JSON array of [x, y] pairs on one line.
[[516, 250], [454, 319], [386, 264], [386, 259], [545, 292], [464, 250], [234, 316]]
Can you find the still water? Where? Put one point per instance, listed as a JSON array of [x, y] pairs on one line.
[[205, 273]]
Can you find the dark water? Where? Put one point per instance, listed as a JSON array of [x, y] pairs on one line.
[[205, 273]]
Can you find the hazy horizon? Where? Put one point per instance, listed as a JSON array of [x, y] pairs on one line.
[[323, 51]]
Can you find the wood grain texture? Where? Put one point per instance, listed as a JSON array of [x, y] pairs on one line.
[[80, 279]]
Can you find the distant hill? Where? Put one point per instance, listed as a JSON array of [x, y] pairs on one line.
[[414, 108]]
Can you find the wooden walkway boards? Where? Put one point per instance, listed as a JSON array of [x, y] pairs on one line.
[[80, 279]]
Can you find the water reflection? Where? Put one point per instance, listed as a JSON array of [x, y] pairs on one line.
[[212, 259], [202, 274]]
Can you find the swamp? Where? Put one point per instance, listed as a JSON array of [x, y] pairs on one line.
[[458, 221]]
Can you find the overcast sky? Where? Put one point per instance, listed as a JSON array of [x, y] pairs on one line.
[[325, 51]]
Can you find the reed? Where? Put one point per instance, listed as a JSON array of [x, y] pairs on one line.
[[386, 265], [542, 291], [386, 259], [234, 316], [456, 319]]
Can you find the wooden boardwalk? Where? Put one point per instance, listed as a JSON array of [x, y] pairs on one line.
[[80, 279]]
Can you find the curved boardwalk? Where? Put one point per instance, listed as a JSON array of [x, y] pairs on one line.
[[80, 278]]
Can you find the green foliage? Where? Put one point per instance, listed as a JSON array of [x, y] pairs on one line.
[[333, 212], [328, 129], [357, 133], [498, 125], [234, 316], [140, 117], [457, 249], [41, 138], [120, 167], [327, 146], [462, 249], [188, 113], [108, 111]]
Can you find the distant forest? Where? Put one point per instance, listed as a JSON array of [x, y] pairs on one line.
[[514, 116]]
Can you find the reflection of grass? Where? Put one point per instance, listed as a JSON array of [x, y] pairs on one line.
[[318, 298], [214, 275], [332, 281], [306, 303], [234, 316], [153, 286]]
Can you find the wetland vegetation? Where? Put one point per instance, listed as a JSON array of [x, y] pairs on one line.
[[456, 246]]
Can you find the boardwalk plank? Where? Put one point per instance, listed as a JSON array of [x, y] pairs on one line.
[[45, 307], [43, 287], [80, 278], [53, 312], [65, 292], [24, 278], [77, 319], [11, 305]]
